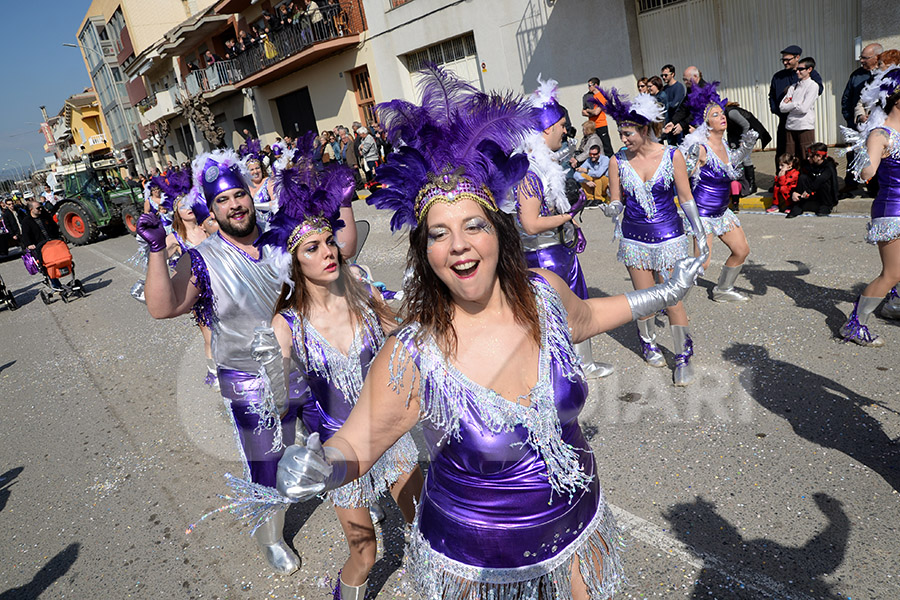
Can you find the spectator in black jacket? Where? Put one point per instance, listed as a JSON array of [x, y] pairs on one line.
[[868, 61], [38, 228], [781, 81], [680, 120], [817, 187], [11, 225]]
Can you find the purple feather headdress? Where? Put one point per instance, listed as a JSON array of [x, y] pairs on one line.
[[309, 201], [173, 187], [219, 171], [701, 100], [544, 99], [457, 145], [251, 150], [641, 111]]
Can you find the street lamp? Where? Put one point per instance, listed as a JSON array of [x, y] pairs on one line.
[[115, 86], [33, 168]]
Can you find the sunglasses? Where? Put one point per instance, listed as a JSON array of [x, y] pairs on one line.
[[804, 68]]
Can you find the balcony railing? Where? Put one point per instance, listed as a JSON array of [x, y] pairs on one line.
[[338, 20], [96, 140], [216, 75], [161, 105]]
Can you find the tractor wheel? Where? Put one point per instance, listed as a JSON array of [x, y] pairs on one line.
[[75, 224], [130, 215]]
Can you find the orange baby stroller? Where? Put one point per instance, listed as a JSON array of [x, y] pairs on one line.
[[56, 262]]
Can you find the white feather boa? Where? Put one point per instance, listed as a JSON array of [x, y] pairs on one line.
[[553, 177]]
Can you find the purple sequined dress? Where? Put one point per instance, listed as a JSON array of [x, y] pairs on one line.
[[512, 495], [333, 382], [885, 225], [651, 232], [553, 250]]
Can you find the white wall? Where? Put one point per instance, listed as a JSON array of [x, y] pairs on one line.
[[516, 40]]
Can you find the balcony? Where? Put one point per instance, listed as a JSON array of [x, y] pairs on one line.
[[214, 77], [161, 105], [302, 44], [97, 140]]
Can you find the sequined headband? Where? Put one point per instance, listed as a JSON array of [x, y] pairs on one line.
[[708, 108], [310, 226], [450, 188]]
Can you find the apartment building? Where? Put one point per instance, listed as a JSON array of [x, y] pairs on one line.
[[79, 129]]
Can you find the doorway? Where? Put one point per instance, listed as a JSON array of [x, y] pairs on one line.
[[296, 113]]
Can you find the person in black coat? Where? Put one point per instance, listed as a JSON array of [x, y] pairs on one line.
[[781, 81], [38, 228], [817, 187], [11, 225]]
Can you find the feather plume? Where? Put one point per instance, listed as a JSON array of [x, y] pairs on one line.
[[226, 158], [644, 109], [699, 99], [455, 127]]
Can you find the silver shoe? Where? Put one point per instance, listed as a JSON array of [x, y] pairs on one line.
[[855, 330], [891, 308], [376, 513], [270, 539], [650, 351], [592, 369], [353, 592], [724, 290], [684, 345]]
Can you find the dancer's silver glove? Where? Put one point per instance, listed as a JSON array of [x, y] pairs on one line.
[[693, 217], [266, 350], [613, 209], [647, 302], [306, 471]]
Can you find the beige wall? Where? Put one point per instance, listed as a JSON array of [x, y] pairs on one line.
[[880, 22], [147, 20], [330, 91]]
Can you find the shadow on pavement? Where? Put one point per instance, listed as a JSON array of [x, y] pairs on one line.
[[296, 517], [58, 566], [3, 368], [394, 543], [6, 482], [818, 409], [717, 541]]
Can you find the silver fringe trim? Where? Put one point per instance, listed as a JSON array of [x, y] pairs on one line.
[[641, 190], [598, 548], [653, 257], [140, 258], [266, 410], [443, 391], [252, 504], [401, 458], [716, 225], [883, 229], [343, 372]]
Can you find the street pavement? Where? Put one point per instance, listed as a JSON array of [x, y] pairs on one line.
[[776, 475]]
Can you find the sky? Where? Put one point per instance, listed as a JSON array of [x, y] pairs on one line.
[[36, 70]]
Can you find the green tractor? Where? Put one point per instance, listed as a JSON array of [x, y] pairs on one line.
[[95, 198]]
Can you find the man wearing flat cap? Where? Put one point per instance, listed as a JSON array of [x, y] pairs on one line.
[[781, 81]]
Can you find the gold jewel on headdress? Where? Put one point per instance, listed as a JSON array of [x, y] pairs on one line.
[[450, 188], [309, 227]]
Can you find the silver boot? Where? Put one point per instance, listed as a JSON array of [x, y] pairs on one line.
[[270, 539], [724, 290], [855, 330], [592, 369], [684, 346], [651, 352], [891, 308], [376, 513], [353, 592]]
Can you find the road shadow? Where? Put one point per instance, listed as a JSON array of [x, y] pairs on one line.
[[58, 566], [296, 517], [730, 560], [27, 294], [3, 368], [818, 409], [819, 298], [7, 480]]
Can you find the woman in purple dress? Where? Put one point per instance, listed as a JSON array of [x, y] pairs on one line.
[[643, 178], [485, 361], [713, 168], [329, 326], [878, 155]]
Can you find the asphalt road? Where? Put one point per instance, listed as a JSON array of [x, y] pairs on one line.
[[776, 475]]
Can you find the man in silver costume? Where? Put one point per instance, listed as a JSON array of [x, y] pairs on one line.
[[228, 284]]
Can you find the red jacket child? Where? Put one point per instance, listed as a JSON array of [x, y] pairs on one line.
[[785, 182]]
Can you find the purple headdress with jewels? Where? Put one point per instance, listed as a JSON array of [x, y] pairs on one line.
[[218, 171], [457, 145], [544, 99], [701, 100], [641, 111], [309, 201]]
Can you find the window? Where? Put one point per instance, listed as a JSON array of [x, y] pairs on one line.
[[365, 101], [649, 5], [456, 54], [396, 3]]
